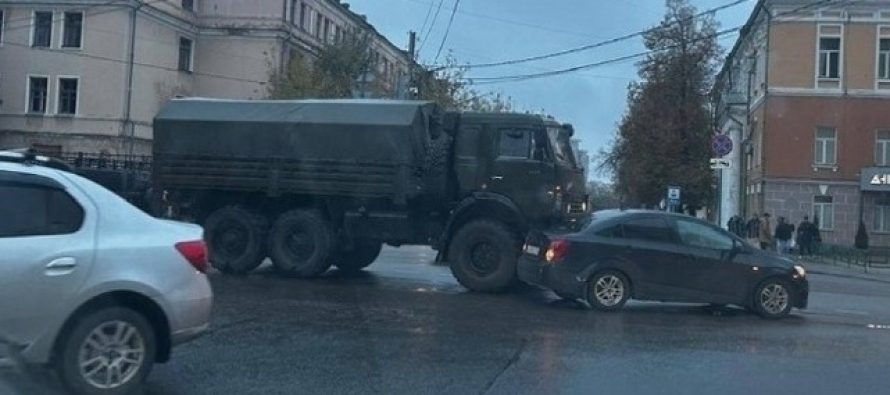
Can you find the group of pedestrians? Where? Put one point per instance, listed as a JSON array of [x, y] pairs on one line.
[[760, 231]]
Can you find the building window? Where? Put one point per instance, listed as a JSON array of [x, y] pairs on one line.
[[72, 30], [38, 88], [829, 57], [304, 16], [185, 54], [188, 5], [42, 31], [884, 59], [882, 148], [882, 216], [823, 212], [318, 22], [1, 26], [294, 6], [826, 147], [327, 30], [68, 87]]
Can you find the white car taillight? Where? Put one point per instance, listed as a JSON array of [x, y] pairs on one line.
[[195, 252]]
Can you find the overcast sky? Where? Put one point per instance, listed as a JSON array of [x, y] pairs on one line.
[[492, 30]]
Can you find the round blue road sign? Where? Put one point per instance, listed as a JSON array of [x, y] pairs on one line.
[[721, 144]]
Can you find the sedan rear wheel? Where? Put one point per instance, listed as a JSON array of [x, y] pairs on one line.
[[108, 351], [608, 290], [772, 299]]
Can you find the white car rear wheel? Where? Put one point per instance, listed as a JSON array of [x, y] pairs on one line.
[[107, 351]]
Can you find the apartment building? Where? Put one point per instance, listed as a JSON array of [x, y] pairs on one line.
[[89, 75], [805, 96]]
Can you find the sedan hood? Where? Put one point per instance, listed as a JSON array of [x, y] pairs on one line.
[[773, 259]]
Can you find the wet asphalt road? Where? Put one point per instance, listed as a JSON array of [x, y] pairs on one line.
[[405, 326]]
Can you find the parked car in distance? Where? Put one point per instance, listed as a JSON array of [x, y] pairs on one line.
[[89, 284], [652, 255]]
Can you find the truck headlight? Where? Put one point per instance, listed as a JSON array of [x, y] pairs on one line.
[[801, 272], [584, 206]]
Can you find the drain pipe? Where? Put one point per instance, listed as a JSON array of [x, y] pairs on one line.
[[129, 127]]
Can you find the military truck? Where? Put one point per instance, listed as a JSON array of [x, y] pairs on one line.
[[315, 183]]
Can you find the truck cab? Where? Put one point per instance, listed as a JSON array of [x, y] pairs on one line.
[[524, 158], [514, 173]]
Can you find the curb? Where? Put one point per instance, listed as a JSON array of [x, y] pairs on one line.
[[845, 275]]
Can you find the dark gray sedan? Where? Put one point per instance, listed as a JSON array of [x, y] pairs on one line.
[[653, 255]]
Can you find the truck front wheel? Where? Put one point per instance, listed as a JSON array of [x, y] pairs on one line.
[[360, 256], [482, 256], [300, 243], [236, 239]]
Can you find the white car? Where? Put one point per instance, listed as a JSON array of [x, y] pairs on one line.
[[89, 284]]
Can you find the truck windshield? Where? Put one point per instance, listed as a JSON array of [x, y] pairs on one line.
[[562, 147]]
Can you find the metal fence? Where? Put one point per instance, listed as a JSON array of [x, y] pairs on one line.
[[107, 162], [874, 257]]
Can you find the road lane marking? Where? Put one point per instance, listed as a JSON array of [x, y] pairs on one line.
[[877, 326]]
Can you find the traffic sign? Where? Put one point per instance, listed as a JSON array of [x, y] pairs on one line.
[[721, 144], [720, 163], [673, 194]]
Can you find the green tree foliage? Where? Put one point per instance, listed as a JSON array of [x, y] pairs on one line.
[[338, 70], [664, 137], [602, 196]]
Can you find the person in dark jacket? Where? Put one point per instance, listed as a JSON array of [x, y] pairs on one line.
[[783, 236], [805, 236], [753, 229]]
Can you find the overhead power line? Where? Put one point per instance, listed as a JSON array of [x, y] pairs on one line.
[[523, 77], [429, 11], [432, 25], [447, 30], [594, 45]]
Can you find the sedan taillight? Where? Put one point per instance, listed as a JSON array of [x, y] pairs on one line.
[[556, 250], [195, 252]]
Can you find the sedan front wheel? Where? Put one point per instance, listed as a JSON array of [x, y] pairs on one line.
[[772, 299]]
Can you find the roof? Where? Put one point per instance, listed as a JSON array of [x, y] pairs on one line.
[[619, 212], [727, 62], [503, 117], [350, 111]]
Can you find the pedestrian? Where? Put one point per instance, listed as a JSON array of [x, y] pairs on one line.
[[753, 229], [783, 236], [805, 236], [817, 235], [732, 225], [766, 233]]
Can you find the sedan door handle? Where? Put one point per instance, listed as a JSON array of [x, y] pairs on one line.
[[61, 266]]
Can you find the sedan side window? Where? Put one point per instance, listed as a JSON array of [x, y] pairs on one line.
[[33, 210], [697, 235], [648, 229]]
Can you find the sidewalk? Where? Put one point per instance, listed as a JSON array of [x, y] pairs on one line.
[[843, 270]]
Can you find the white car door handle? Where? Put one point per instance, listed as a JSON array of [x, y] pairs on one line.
[[61, 266], [497, 177]]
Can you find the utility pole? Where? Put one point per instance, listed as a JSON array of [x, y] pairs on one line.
[[411, 89]]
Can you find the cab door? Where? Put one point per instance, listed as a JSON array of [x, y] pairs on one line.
[[520, 168]]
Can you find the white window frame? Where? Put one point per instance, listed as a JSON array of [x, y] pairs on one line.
[[3, 12], [194, 6], [816, 140], [33, 29], [840, 56], [83, 21], [878, 36], [49, 88], [884, 146], [58, 95], [878, 223], [191, 68], [819, 211]]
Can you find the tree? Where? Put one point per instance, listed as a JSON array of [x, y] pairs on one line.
[[602, 196], [448, 87], [861, 237], [664, 137], [338, 70]]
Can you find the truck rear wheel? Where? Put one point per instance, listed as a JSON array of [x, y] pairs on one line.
[[300, 243], [360, 256], [236, 239], [483, 255]]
